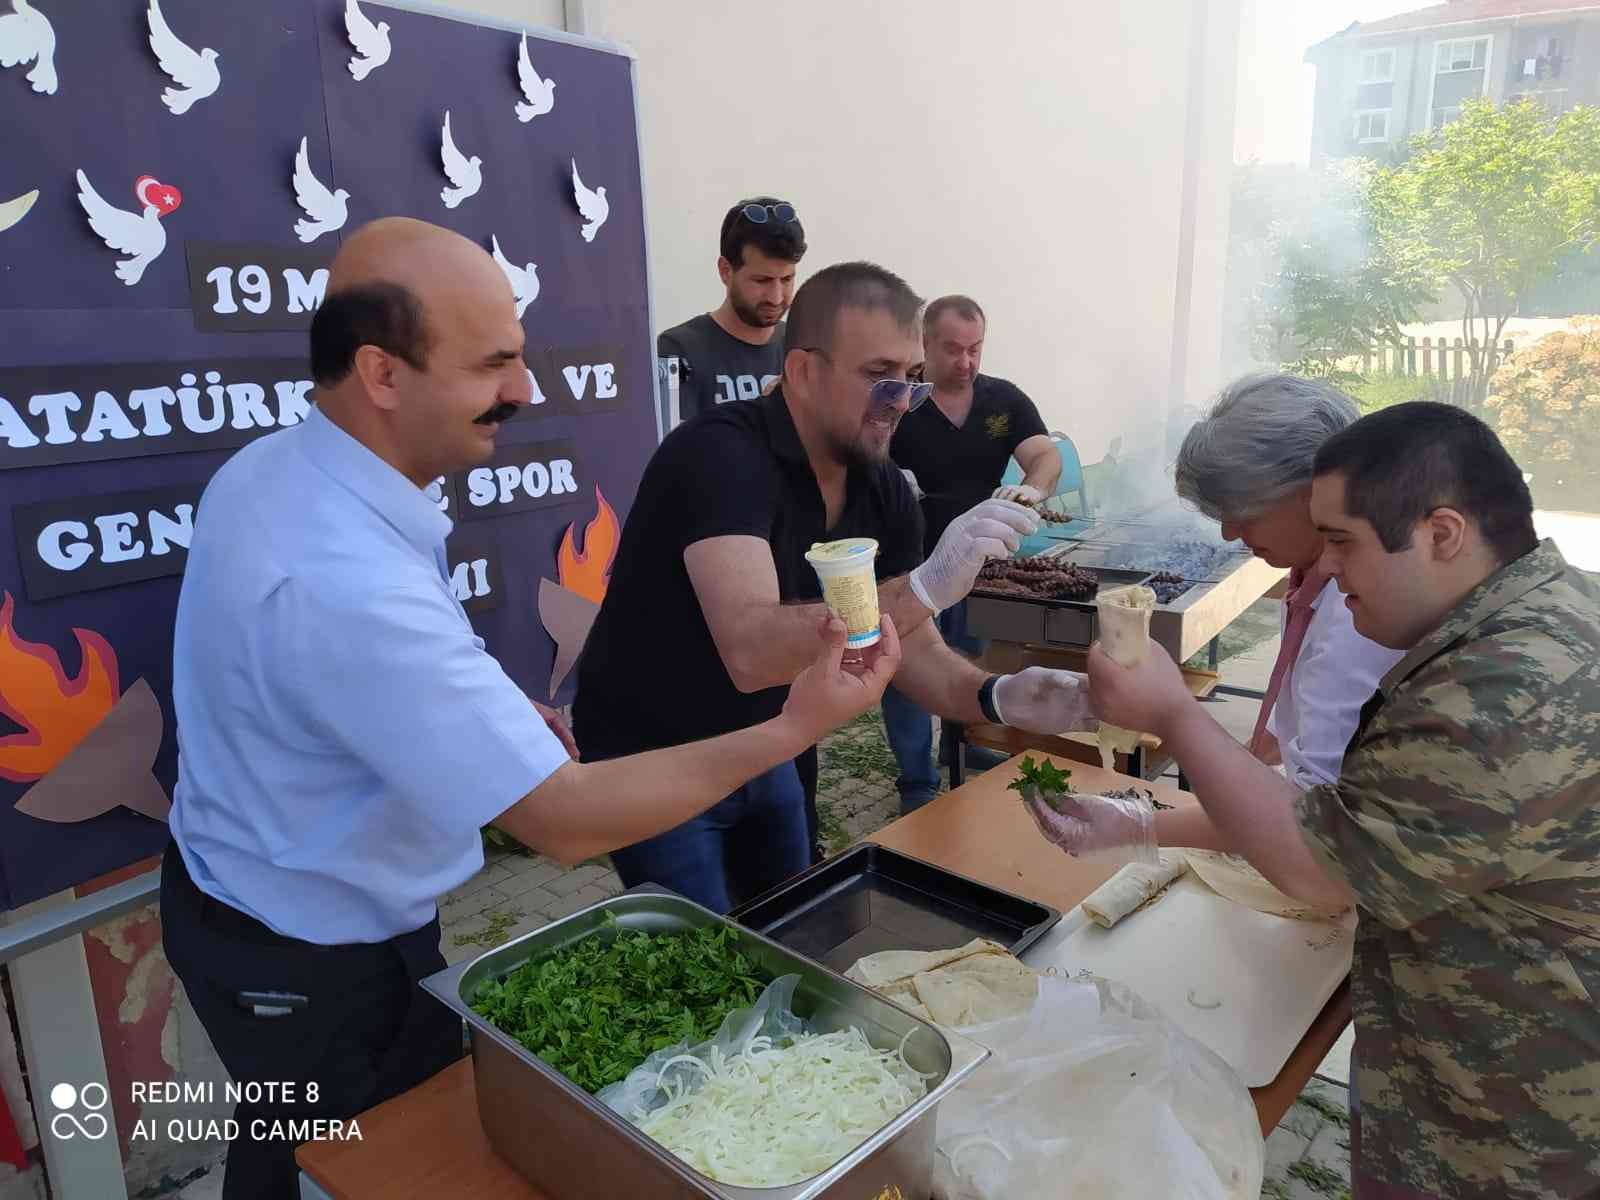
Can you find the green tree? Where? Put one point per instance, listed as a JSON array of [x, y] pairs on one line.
[[1489, 205], [1309, 282]]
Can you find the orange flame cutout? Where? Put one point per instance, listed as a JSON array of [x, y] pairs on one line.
[[55, 712], [587, 572]]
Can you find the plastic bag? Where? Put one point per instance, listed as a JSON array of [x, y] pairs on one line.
[[1093, 1094], [770, 1016]]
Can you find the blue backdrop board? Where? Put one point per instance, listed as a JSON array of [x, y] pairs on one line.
[[177, 175]]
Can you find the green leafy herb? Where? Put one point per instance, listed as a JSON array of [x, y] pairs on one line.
[[1044, 776], [599, 1008]]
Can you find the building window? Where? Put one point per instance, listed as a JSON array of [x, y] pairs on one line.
[[1372, 126], [1377, 66], [1376, 88], [1537, 63], [1460, 73], [1467, 54]]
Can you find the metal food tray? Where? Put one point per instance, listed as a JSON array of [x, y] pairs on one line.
[[871, 899], [571, 1145]]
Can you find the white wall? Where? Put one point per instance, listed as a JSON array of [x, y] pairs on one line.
[[522, 12], [1029, 153]]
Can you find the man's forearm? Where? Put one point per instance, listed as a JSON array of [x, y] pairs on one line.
[[936, 678], [779, 641], [1044, 476], [1251, 807], [585, 809], [1189, 826]]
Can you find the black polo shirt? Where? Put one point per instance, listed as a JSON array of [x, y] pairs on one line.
[[958, 468], [650, 674]]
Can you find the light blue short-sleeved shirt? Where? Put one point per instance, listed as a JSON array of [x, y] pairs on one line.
[[342, 732]]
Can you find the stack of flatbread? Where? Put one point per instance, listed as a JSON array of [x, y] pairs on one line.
[[973, 984]]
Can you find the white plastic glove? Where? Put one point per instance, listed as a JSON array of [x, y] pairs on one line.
[[993, 529], [1105, 828], [1022, 493], [1044, 700], [916, 488]]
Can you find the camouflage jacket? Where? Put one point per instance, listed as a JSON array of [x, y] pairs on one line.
[[1467, 822]]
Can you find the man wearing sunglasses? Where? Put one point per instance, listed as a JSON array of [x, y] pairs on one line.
[[956, 449], [712, 609], [736, 352]]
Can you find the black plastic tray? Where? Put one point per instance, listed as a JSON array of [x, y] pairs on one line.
[[870, 899]]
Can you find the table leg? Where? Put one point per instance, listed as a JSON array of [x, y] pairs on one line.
[[1211, 653], [951, 737]]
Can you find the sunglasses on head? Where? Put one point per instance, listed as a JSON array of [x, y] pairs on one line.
[[886, 393], [758, 214]]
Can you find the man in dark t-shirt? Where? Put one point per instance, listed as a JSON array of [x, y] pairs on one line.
[[712, 608], [736, 352], [957, 448]]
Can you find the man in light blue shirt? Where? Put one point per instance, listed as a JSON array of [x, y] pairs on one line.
[[343, 734]]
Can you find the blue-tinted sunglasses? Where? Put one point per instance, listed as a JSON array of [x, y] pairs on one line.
[[757, 214], [886, 393]]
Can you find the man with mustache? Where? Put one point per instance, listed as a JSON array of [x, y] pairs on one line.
[[956, 448], [712, 607], [735, 352], [344, 735]]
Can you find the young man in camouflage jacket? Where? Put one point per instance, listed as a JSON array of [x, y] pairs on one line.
[[1465, 824]]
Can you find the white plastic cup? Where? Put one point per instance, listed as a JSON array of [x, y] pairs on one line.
[[850, 588]]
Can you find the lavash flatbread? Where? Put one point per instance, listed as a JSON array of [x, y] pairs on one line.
[[969, 985], [1233, 878], [1124, 627], [1132, 887]]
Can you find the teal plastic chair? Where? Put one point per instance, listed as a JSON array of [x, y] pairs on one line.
[[1071, 481]]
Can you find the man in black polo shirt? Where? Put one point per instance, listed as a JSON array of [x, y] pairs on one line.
[[712, 609], [957, 448], [736, 351]]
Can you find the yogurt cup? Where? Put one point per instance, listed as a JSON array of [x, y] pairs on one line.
[[850, 587]]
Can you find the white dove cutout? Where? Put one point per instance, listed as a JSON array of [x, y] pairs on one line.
[[466, 174], [540, 93], [196, 74], [371, 41], [140, 236], [326, 209], [592, 204], [26, 35], [524, 281]]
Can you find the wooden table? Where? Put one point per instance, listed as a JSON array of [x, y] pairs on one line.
[[981, 830], [429, 1141]]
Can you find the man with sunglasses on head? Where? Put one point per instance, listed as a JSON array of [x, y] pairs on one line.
[[736, 351], [956, 449], [712, 609]]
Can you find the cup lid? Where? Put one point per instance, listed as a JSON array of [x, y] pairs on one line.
[[842, 550]]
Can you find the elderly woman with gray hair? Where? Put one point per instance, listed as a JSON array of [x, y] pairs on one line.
[[1247, 465]]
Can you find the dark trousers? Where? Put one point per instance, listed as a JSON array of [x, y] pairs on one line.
[[366, 1033], [910, 729], [732, 852], [806, 767]]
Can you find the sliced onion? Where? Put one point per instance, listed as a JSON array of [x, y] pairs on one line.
[[772, 1116]]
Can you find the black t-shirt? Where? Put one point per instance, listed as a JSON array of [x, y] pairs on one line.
[[651, 675], [958, 468], [719, 367]]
